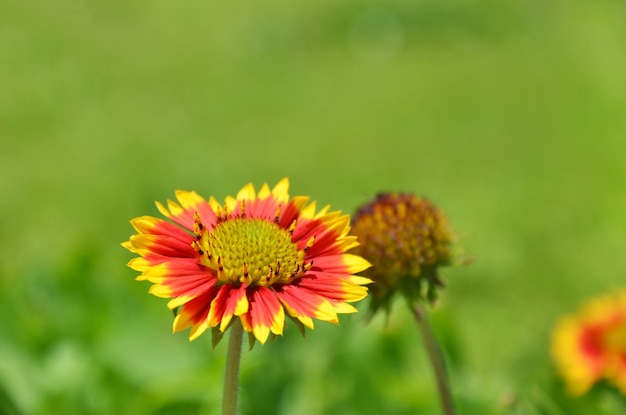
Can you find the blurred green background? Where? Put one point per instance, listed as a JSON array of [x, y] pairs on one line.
[[511, 116]]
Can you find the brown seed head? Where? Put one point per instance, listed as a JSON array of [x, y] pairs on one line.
[[406, 238]]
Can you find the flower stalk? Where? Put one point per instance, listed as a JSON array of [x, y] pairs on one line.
[[435, 357], [231, 372]]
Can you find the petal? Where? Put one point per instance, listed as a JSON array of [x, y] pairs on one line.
[[292, 211], [189, 200], [184, 218], [150, 264], [237, 305], [322, 212], [357, 279], [229, 301], [194, 203], [328, 230], [155, 226], [281, 190], [190, 204], [346, 243], [188, 287], [197, 330], [327, 241], [251, 206], [247, 193], [343, 308], [332, 287], [156, 268], [309, 211], [264, 192], [139, 263], [305, 228], [194, 314], [344, 263], [230, 204], [301, 302], [265, 314], [218, 305], [163, 245], [262, 208]]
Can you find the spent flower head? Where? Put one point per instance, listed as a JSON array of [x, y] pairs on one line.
[[258, 257], [590, 345], [407, 239]]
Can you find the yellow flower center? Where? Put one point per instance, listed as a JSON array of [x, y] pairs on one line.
[[254, 251]]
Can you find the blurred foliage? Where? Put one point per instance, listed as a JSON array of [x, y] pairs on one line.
[[508, 115]]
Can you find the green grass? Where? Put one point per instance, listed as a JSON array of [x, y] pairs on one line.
[[509, 116]]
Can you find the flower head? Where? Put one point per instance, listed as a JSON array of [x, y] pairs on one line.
[[255, 257], [591, 345], [407, 239]]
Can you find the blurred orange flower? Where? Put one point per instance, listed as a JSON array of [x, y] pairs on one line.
[[591, 345]]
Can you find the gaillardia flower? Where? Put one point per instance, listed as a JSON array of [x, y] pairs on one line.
[[407, 239], [590, 346], [255, 257]]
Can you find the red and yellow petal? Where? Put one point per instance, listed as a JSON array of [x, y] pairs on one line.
[[163, 245], [250, 205], [190, 204], [304, 304], [333, 286], [265, 314], [230, 301], [237, 305], [157, 269], [148, 262], [262, 208], [328, 240], [183, 289], [154, 226], [194, 314], [291, 212], [218, 305], [175, 212], [345, 264]]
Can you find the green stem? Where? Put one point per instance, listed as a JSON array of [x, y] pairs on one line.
[[231, 373], [436, 359]]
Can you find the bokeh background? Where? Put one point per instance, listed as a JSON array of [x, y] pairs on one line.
[[511, 116]]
